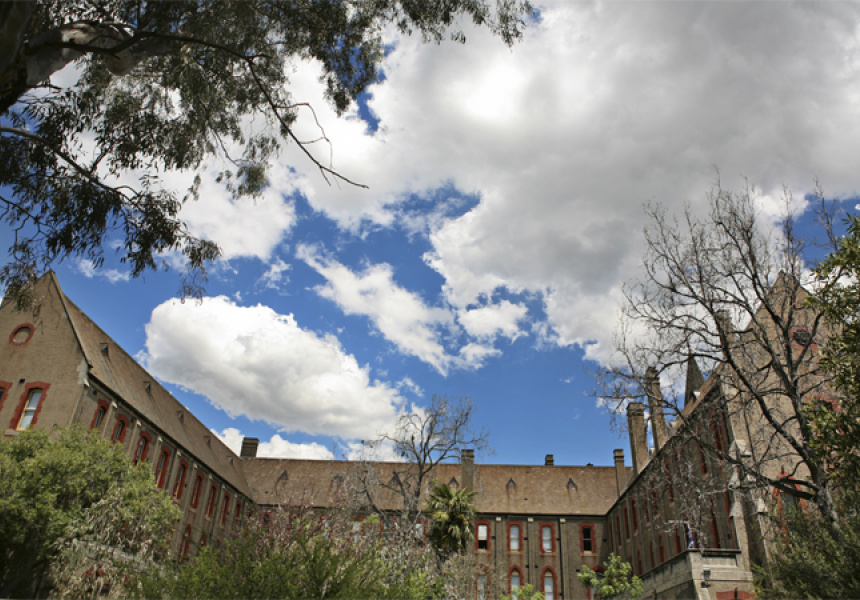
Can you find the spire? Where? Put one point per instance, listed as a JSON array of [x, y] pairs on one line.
[[695, 381]]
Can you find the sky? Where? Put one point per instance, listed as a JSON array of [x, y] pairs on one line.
[[504, 214]]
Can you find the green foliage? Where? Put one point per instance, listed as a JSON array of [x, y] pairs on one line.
[[836, 433], [168, 85], [808, 561], [526, 592], [453, 513], [299, 553], [615, 581], [73, 503]]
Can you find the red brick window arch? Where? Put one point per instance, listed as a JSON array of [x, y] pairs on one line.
[[30, 405], [195, 491], [120, 429], [515, 581], [179, 484], [100, 414], [547, 538], [161, 467], [142, 448], [548, 583]]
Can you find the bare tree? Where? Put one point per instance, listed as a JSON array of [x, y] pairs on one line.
[[702, 278], [424, 439]]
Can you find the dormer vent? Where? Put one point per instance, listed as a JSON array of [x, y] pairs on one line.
[[454, 482], [571, 486], [511, 482], [147, 385], [105, 347]]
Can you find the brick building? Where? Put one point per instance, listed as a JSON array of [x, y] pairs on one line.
[[538, 524]]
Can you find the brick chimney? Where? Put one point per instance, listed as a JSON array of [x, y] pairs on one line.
[[620, 471], [655, 405], [249, 447], [467, 468], [638, 439], [549, 461]]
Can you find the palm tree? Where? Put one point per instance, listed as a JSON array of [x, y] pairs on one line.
[[453, 512]]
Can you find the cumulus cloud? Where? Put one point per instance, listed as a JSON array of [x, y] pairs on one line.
[[602, 107], [88, 269], [252, 361], [401, 316], [276, 447]]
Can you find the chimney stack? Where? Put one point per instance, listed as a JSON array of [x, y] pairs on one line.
[[549, 461], [655, 405], [620, 471], [467, 467], [249, 447], [638, 439]]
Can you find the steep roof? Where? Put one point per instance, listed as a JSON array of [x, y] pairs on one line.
[[120, 373], [502, 489]]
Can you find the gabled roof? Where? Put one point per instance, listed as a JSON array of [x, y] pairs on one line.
[[121, 374]]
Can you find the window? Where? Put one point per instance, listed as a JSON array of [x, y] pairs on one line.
[[514, 537], [142, 448], [185, 545], [29, 406], [547, 542], [162, 467], [633, 514], [99, 417], [483, 537], [238, 513], [202, 540], [586, 538], [195, 491], [119, 429], [179, 484], [482, 587], [21, 334], [4, 390], [515, 582], [210, 504], [226, 508], [548, 584], [626, 525]]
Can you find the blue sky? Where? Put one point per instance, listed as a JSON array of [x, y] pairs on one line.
[[503, 216]]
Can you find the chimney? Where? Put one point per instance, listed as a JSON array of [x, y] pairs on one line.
[[249, 447], [638, 440], [549, 461], [467, 468], [620, 471], [695, 381], [655, 405]]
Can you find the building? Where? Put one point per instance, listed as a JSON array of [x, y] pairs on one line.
[[538, 524]]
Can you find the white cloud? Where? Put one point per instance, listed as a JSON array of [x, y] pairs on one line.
[[276, 275], [276, 447], [602, 107], [401, 316], [87, 268], [486, 322], [261, 364]]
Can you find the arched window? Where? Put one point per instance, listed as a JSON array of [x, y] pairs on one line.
[[515, 582], [195, 491], [142, 447], [185, 545], [29, 406], [548, 580], [179, 484], [162, 467], [547, 538]]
